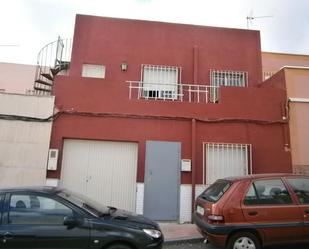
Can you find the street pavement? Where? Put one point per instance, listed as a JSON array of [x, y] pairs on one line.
[[201, 245], [188, 245]]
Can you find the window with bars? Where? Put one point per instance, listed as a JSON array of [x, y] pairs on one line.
[[225, 160], [228, 78], [160, 82]]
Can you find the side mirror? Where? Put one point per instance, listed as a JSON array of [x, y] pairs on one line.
[[71, 221]]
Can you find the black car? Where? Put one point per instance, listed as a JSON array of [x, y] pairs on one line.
[[55, 218]]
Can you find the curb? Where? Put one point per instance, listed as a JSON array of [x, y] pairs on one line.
[[183, 240]]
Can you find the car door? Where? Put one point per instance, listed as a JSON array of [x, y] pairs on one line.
[[2, 232], [268, 206], [15, 236], [300, 186], [1, 207], [36, 221]]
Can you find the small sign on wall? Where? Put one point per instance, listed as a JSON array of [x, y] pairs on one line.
[[186, 165]]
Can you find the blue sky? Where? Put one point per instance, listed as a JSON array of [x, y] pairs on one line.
[[27, 25]]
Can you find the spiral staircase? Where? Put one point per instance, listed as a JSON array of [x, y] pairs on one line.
[[53, 59]]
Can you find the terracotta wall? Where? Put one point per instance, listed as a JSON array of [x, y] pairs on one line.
[[294, 77], [110, 41], [275, 61], [297, 81], [244, 115]]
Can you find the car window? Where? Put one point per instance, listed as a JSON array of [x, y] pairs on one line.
[[33, 209], [216, 190], [94, 207], [301, 188], [267, 192]]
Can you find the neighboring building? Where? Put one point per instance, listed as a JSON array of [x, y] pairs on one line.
[[149, 113], [294, 78], [273, 62], [16, 78], [24, 138], [24, 130]]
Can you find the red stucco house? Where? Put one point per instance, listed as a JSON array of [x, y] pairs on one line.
[[151, 112]]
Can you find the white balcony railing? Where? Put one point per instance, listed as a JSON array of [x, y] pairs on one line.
[[173, 92], [267, 74]]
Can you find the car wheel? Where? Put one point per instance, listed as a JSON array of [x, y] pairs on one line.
[[118, 246], [244, 240]]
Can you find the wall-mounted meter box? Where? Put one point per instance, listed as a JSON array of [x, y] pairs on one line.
[[52, 159], [186, 165]]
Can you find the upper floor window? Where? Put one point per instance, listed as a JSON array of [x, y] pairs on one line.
[[160, 82], [228, 78], [93, 71]]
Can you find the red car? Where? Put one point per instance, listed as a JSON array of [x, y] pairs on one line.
[[253, 211]]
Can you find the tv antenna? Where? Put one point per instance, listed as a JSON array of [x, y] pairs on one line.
[[250, 18]]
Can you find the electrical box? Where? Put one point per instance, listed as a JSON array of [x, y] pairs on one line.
[[186, 165], [52, 159]]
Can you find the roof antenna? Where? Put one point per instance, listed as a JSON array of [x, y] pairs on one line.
[[250, 18]]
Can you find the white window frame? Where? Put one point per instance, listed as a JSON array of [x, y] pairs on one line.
[[228, 78], [159, 84], [93, 71]]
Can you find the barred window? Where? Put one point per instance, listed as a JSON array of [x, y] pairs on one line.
[[225, 159], [160, 82], [228, 78]]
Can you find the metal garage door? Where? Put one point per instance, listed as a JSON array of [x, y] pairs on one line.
[[104, 171]]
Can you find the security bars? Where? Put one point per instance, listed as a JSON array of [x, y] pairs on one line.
[[228, 78], [225, 160]]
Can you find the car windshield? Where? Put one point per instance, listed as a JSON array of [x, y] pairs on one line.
[[216, 190], [84, 202]]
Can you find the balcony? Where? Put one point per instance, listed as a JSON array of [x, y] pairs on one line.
[[173, 92]]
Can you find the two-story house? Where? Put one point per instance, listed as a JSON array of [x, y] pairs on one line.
[[150, 113]]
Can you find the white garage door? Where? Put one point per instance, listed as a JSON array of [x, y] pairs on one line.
[[104, 171]]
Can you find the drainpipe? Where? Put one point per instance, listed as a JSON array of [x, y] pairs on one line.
[[195, 67], [193, 132], [286, 132], [193, 163]]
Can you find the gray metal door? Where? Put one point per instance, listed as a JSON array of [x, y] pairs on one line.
[[162, 180]]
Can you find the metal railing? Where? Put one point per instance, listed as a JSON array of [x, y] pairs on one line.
[[51, 56], [173, 92], [267, 74]]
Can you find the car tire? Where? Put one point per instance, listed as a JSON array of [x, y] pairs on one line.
[[119, 246], [243, 240]]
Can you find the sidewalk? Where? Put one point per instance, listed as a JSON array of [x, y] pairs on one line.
[[174, 232]]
